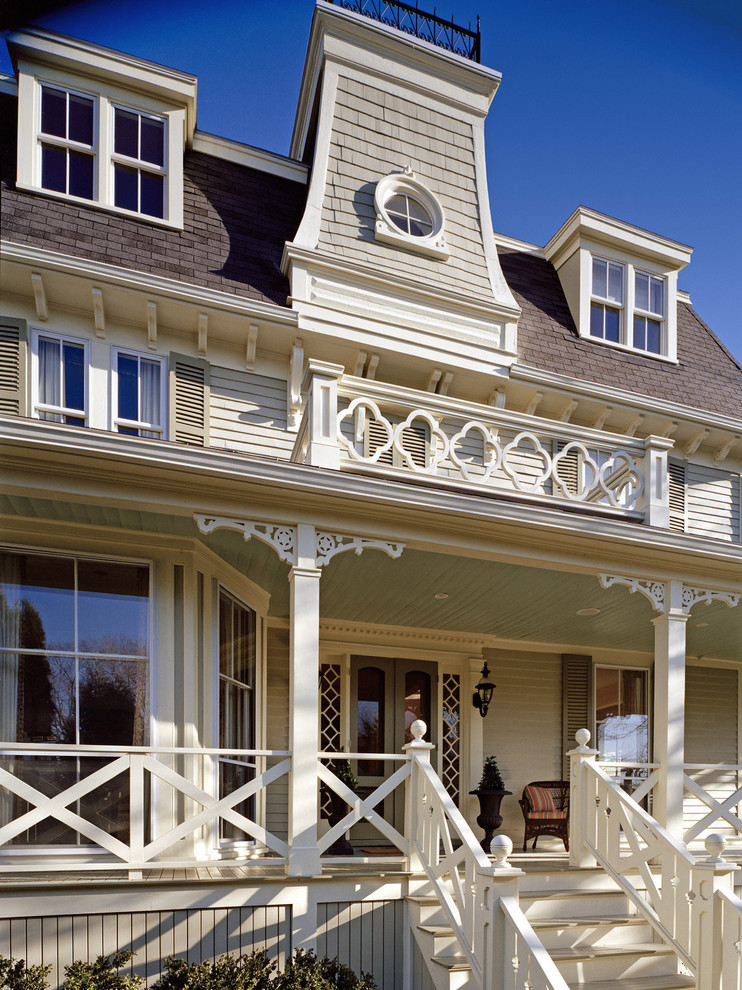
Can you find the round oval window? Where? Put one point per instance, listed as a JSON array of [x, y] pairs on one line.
[[409, 215]]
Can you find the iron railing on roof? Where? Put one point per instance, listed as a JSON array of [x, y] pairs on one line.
[[428, 27]]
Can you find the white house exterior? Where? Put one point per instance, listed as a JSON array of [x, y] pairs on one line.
[[291, 447]]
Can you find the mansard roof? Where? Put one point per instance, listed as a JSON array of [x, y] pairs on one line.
[[236, 221], [706, 376]]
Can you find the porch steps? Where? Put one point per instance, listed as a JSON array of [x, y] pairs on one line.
[[585, 922]]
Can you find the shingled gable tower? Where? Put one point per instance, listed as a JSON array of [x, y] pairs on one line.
[[390, 122]]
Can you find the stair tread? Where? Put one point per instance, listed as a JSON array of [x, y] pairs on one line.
[[599, 921], [598, 951], [638, 983], [453, 963]]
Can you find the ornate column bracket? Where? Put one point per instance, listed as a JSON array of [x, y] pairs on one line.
[[655, 591], [330, 544], [278, 536], [692, 596]]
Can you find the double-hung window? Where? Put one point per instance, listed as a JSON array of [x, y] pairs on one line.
[[138, 394], [649, 312], [67, 142], [60, 378], [139, 162], [607, 300], [627, 306]]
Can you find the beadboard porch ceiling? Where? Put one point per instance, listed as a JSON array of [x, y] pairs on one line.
[[488, 598]]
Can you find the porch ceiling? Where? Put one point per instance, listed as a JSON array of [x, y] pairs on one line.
[[490, 598]]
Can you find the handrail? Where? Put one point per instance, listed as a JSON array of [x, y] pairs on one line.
[[90, 749], [488, 923], [678, 889]]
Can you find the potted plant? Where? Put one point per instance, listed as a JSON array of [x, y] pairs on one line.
[[490, 791], [340, 766]]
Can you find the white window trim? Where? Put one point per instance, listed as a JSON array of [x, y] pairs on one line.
[[115, 419], [434, 244], [62, 411], [631, 265], [106, 98]]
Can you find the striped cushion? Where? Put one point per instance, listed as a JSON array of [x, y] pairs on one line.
[[547, 814], [541, 800]]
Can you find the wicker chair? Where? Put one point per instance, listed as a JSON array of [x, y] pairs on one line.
[[545, 807]]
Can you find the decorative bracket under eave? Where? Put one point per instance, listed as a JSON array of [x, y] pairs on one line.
[[656, 592], [283, 539]]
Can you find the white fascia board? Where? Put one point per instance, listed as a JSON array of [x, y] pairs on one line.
[[586, 224], [145, 282], [8, 86], [84, 58], [606, 394], [245, 154], [522, 247], [458, 519]]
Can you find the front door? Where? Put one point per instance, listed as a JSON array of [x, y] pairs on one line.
[[387, 696]]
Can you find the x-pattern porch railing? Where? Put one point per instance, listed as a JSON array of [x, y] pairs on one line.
[[724, 810], [139, 772]]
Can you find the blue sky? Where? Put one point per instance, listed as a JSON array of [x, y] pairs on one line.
[[632, 109]]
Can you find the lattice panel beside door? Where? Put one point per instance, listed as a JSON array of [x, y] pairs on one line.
[[330, 726], [451, 736]]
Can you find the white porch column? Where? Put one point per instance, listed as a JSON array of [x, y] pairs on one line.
[[669, 709], [304, 859], [476, 735]]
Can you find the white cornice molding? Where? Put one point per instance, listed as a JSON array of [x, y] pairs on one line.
[[144, 282], [606, 394], [585, 223], [245, 154], [454, 644], [316, 260], [41, 47], [8, 86]]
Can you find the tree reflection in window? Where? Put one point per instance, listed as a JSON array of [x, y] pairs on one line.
[[371, 692]]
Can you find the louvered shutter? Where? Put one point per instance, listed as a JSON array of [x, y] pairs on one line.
[[414, 442], [677, 496], [13, 348], [189, 400], [569, 468], [577, 700]]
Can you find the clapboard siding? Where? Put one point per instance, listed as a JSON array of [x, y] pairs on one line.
[[526, 732], [710, 700], [277, 726], [194, 935], [248, 413], [365, 935], [712, 503]]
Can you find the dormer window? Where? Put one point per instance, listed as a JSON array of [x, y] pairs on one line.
[[620, 282], [101, 128]]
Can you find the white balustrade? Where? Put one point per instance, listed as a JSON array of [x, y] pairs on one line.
[[130, 803], [680, 896], [479, 897], [377, 428], [719, 794]]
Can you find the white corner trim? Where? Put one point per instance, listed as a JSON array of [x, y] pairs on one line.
[[245, 154]]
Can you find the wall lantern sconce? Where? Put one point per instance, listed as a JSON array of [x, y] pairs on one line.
[[483, 691]]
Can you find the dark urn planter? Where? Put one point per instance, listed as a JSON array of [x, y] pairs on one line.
[[489, 818], [341, 846]]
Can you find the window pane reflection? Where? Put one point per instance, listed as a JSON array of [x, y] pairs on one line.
[[113, 608], [371, 690]]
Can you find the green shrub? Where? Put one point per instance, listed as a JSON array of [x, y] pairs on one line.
[[103, 974], [306, 972], [15, 976], [228, 973]]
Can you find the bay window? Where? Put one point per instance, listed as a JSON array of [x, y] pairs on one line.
[[74, 668]]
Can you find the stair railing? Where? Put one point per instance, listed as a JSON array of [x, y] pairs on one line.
[[688, 902], [479, 897]]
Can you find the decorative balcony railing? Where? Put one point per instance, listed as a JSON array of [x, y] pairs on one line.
[[353, 424], [428, 27]]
